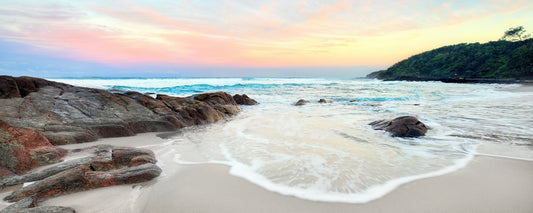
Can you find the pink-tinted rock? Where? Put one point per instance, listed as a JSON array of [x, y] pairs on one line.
[[45, 155], [142, 159], [23, 149]]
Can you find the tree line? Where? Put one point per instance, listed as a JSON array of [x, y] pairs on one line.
[[511, 57]]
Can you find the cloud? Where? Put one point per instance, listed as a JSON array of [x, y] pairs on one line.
[[51, 12], [226, 33]]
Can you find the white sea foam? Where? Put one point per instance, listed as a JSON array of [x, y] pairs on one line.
[[371, 193], [504, 156]]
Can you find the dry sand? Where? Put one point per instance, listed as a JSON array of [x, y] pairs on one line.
[[487, 184]]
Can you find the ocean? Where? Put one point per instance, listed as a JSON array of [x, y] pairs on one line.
[[328, 152]]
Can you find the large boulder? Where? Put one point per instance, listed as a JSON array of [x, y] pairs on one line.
[[405, 126], [66, 114], [221, 98], [221, 101], [244, 100], [191, 112], [301, 102]]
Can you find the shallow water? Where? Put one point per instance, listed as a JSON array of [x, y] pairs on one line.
[[328, 152]]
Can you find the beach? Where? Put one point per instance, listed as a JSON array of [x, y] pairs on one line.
[[277, 157], [486, 184], [278, 106]]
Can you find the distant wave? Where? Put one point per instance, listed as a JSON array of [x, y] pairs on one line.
[[376, 99], [199, 88]]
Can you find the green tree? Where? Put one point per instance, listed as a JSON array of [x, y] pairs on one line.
[[493, 60], [515, 34]]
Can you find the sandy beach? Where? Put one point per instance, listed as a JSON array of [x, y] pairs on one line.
[[486, 184]]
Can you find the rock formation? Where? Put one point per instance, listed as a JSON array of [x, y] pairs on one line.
[[22, 149], [244, 100], [220, 101], [301, 102], [66, 114], [405, 126], [36, 114], [107, 167], [27, 205]]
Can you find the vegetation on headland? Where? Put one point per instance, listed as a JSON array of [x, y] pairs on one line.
[[506, 60]]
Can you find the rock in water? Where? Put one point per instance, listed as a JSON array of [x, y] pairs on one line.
[[405, 126], [301, 102], [188, 112], [244, 100], [221, 101]]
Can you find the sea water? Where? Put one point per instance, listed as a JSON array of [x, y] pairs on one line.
[[327, 151]]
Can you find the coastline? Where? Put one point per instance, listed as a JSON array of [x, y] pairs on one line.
[[486, 184]]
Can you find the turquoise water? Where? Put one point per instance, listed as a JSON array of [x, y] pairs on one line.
[[327, 152]]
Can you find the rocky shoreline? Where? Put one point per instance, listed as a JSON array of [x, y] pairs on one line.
[[37, 114]]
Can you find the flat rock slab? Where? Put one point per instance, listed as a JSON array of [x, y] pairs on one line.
[[108, 166]]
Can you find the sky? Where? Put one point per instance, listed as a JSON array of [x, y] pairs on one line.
[[238, 38]]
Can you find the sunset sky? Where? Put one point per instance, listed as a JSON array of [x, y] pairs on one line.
[[217, 38]]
